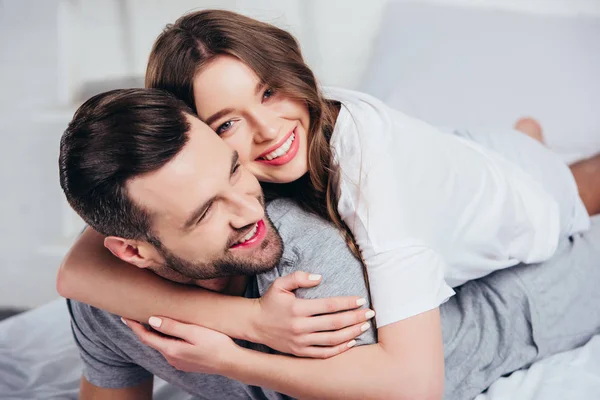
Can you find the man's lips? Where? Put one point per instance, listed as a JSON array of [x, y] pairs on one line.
[[261, 232], [288, 156]]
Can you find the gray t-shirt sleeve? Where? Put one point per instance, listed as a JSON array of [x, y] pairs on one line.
[[103, 365], [315, 246], [327, 253]]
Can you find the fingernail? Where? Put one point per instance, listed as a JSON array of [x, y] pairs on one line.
[[370, 314], [155, 322], [361, 302], [314, 277], [123, 321], [365, 327], [351, 343]]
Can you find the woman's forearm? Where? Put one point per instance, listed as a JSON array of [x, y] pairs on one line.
[[366, 372], [92, 275], [406, 363]]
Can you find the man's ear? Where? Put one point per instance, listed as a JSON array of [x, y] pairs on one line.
[[128, 251]]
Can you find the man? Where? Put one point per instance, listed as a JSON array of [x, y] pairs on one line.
[[491, 327]]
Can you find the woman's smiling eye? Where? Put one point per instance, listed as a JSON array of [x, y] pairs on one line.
[[224, 127], [267, 93]]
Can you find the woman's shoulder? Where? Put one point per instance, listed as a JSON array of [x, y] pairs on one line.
[[366, 128], [359, 113], [370, 118], [353, 99]]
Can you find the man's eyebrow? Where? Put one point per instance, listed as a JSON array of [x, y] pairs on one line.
[[217, 115], [199, 211]]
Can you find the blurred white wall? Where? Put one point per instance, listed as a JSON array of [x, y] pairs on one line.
[[50, 50], [336, 35]]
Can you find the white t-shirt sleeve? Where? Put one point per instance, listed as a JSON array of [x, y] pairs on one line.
[[406, 276], [406, 282]]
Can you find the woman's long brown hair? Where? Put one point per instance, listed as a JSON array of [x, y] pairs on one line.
[[195, 39]]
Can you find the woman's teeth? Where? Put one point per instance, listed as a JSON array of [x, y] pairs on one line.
[[282, 150], [250, 234]]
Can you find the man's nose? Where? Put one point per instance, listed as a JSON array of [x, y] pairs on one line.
[[245, 208]]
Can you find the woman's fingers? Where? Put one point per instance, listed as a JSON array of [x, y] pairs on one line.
[[335, 322], [149, 338], [327, 352], [167, 326], [338, 337], [188, 332], [331, 304], [298, 279]]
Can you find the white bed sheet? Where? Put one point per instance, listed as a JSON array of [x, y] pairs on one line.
[[39, 360], [573, 374]]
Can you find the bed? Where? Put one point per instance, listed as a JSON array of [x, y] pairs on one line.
[[40, 360], [453, 67]]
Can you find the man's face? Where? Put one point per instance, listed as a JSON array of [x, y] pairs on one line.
[[208, 213]]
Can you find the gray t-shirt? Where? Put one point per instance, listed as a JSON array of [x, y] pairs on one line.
[[114, 358]]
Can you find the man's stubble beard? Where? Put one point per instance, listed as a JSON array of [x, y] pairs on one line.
[[228, 265]]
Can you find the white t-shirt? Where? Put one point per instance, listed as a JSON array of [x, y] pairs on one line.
[[430, 210]]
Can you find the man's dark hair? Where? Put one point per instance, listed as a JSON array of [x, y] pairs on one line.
[[114, 137]]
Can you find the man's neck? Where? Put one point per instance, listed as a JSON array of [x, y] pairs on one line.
[[237, 286], [230, 285]]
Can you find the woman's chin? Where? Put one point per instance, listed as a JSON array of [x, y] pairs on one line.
[[282, 175]]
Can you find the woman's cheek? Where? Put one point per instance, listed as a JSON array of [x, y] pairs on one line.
[[242, 141]]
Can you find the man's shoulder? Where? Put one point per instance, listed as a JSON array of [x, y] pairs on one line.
[[94, 322], [310, 242]]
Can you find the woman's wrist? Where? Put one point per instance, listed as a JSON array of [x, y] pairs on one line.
[[246, 321], [237, 363]]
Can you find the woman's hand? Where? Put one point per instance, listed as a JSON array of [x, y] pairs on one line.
[[191, 348], [319, 328]]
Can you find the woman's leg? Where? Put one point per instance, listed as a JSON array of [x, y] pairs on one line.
[[531, 128], [545, 166], [586, 172], [587, 177]]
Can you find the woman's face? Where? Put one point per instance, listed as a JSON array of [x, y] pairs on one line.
[[268, 130]]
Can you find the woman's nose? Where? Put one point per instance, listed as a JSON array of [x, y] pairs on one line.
[[267, 128]]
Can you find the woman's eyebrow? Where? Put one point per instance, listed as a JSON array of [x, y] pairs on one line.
[[218, 115]]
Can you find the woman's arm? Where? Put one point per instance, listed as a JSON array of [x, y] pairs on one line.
[[407, 363], [91, 274], [143, 391]]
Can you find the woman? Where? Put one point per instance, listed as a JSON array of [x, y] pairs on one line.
[[426, 211]]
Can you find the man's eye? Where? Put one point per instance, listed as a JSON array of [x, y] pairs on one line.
[[224, 127], [206, 213]]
